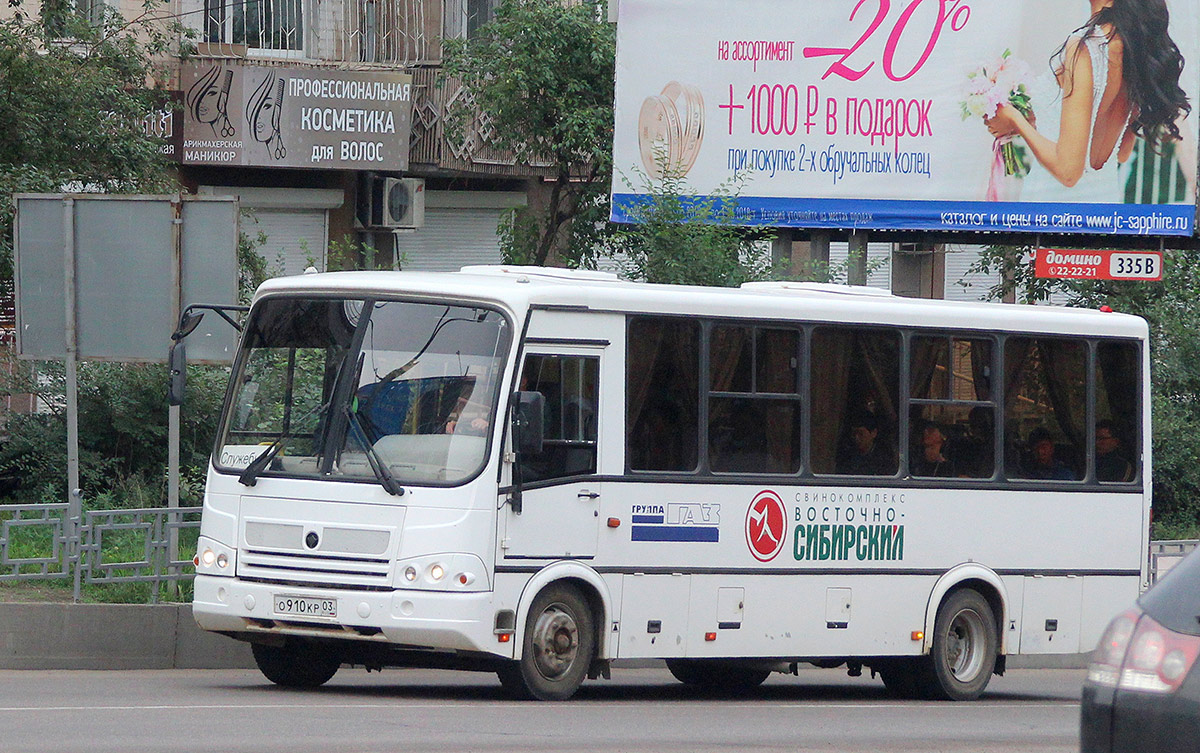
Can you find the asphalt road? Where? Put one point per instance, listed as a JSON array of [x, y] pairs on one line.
[[229, 711]]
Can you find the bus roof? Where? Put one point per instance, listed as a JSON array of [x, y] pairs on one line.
[[520, 288]]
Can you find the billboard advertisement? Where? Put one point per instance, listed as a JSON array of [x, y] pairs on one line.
[[295, 117], [931, 115]]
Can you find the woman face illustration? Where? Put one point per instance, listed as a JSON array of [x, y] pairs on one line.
[[202, 97], [205, 106], [262, 120], [262, 108]]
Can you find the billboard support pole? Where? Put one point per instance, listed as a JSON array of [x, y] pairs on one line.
[[75, 506], [173, 416]]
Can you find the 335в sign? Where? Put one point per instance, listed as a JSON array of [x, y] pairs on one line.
[[1098, 265]]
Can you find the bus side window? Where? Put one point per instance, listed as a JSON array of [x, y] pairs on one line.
[[855, 373], [952, 414], [570, 386], [1045, 408], [1118, 427], [662, 394], [754, 400]]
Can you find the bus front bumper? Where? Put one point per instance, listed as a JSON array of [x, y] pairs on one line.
[[413, 618]]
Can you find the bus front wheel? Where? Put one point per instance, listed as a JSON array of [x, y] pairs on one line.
[[558, 647], [964, 649], [296, 664]]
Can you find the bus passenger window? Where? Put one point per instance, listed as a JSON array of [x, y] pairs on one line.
[[952, 415], [662, 394], [1045, 408], [570, 386], [1118, 411], [855, 374], [754, 400]]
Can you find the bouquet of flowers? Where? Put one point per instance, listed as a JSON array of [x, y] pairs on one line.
[[988, 87]]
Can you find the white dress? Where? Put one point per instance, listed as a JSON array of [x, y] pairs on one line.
[[1101, 186]]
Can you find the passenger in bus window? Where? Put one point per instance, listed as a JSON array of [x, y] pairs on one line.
[[1110, 465], [929, 459], [973, 450], [1042, 463], [867, 456]]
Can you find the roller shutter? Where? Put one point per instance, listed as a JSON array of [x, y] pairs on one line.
[[295, 237], [451, 238]]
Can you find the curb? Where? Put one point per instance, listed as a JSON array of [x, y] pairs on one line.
[[112, 636]]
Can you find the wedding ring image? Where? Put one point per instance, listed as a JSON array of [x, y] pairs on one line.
[[670, 130]]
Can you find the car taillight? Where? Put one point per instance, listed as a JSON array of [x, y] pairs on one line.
[[1158, 659], [1105, 667]]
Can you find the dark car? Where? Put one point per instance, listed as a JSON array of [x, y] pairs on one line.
[[1143, 687]]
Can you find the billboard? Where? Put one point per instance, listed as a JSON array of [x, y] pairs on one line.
[[127, 265], [295, 117], [871, 114]]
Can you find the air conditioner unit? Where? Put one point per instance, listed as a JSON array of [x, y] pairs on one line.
[[398, 203]]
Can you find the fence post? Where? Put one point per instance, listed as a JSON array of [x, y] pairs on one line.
[[75, 542]]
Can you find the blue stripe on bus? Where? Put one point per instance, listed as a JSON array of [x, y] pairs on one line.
[[647, 519], [676, 533]]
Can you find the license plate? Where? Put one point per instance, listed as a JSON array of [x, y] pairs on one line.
[[303, 606]]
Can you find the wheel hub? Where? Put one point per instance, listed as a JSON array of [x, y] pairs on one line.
[[555, 642], [964, 642]]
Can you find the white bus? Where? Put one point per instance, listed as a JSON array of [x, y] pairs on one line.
[[537, 472]]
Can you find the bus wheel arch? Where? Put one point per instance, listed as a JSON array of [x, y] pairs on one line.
[[963, 637], [977, 578], [560, 638]]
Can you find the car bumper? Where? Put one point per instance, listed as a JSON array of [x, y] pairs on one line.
[[416, 619], [1131, 722]]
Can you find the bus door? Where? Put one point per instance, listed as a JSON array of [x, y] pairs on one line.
[[559, 511]]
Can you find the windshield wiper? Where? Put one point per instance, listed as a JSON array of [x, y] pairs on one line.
[[378, 466], [249, 474]]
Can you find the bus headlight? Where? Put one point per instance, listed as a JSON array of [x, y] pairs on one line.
[[443, 572], [213, 558]]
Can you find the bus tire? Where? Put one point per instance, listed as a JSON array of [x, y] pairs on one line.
[[965, 645], [558, 647], [297, 664], [716, 675]]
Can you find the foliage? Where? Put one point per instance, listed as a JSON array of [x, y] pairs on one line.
[[541, 73], [684, 239], [122, 430], [1170, 309], [72, 113]]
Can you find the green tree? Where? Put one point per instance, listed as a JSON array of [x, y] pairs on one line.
[[680, 238], [73, 95], [72, 113], [1174, 319], [541, 74]]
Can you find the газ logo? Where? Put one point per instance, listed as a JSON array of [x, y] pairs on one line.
[[765, 520]]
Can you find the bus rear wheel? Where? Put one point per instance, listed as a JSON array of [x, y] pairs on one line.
[[297, 664], [558, 647], [716, 675], [965, 645]]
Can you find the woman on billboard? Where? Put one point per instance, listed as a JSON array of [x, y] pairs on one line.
[[1117, 77]]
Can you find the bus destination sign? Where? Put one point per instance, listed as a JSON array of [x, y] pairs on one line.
[[1076, 264]]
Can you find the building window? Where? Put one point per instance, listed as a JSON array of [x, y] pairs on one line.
[[258, 24]]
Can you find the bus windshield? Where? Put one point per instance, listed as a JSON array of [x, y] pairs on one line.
[[362, 388]]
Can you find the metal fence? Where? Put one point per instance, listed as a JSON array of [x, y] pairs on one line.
[[1166, 554], [60, 542]]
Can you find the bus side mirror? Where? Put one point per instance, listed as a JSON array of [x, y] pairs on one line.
[[177, 368], [530, 409]]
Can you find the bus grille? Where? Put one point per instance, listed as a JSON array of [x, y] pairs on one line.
[[314, 569]]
